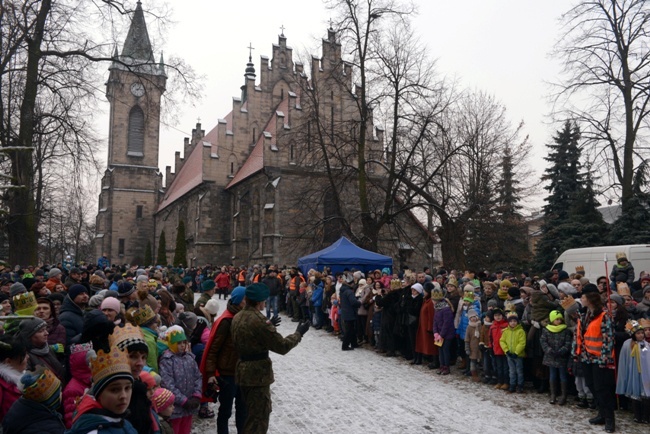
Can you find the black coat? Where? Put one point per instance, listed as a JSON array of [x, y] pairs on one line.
[[29, 417], [349, 303], [71, 317]]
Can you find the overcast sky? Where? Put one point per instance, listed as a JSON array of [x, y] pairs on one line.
[[498, 46]]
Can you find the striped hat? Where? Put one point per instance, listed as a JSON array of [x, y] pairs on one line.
[[42, 386], [162, 398]]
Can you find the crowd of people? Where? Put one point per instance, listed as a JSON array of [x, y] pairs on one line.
[[126, 348]]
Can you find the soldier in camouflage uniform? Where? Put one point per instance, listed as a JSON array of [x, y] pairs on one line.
[[254, 336], [207, 291]]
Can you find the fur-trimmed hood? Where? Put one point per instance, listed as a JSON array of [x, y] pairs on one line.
[[10, 375]]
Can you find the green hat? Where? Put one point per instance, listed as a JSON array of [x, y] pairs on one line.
[[187, 279], [555, 314], [257, 292], [207, 285]]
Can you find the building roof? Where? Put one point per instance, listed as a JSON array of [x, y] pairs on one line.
[[255, 161], [190, 176], [137, 44]]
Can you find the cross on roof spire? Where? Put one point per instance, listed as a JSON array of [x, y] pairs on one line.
[[331, 23], [282, 30], [250, 51]]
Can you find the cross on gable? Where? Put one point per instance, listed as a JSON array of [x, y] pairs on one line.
[[250, 51], [282, 30]]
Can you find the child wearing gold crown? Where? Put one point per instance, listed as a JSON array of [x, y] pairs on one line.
[[633, 361], [180, 374], [104, 408]]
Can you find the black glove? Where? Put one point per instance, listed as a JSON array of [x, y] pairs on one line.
[[276, 320], [192, 403], [511, 355], [303, 327]]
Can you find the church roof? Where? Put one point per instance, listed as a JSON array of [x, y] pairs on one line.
[[190, 176], [255, 161], [137, 44]]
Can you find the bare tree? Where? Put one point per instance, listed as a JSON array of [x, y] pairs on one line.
[[49, 59], [604, 48]]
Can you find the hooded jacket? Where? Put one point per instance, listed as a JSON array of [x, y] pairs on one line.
[[29, 417], [9, 388], [80, 381]]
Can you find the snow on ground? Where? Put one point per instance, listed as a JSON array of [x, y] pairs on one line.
[[320, 389]]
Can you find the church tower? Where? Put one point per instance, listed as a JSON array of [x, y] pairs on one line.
[[132, 182]]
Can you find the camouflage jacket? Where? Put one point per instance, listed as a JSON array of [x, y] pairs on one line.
[[253, 335], [201, 302]]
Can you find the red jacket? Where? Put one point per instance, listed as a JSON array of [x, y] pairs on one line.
[[424, 338], [222, 280], [496, 330], [74, 390]]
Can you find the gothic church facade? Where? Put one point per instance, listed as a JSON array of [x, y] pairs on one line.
[[251, 189]]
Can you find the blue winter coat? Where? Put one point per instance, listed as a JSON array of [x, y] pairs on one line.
[[464, 320], [103, 424], [317, 295], [349, 304]]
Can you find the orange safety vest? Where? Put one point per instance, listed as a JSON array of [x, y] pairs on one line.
[[256, 278], [292, 283], [242, 277], [593, 338]]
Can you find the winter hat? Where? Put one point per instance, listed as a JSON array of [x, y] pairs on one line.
[[514, 292], [362, 282], [468, 294], [173, 336], [212, 306], [208, 285], [39, 272], [590, 287], [162, 399], [188, 321], [492, 303], [17, 288], [621, 256], [42, 386], [128, 338], [428, 287], [497, 311], [617, 298], [29, 327], [3, 297], [140, 272], [505, 283], [111, 303], [187, 279], [502, 293], [472, 313], [100, 273], [25, 304], [75, 290], [54, 272], [95, 301], [562, 275], [417, 287], [541, 283], [141, 278], [143, 315], [512, 315], [566, 288], [257, 292], [148, 379], [108, 367], [385, 271], [555, 314], [125, 289], [237, 295]]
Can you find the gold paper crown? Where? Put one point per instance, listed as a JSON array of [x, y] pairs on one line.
[[104, 366], [123, 337], [567, 302], [152, 282], [143, 315], [622, 289], [468, 294], [632, 327], [645, 323], [580, 269], [43, 385], [24, 300], [395, 284]]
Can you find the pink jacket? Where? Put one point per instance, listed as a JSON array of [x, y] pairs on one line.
[[205, 335], [75, 389], [9, 391]]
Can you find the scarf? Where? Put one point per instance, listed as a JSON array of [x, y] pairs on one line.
[[636, 354], [476, 324], [555, 328], [44, 351]]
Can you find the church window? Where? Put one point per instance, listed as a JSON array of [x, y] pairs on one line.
[[282, 94], [120, 246], [136, 133], [232, 168], [291, 152], [138, 211], [254, 134]]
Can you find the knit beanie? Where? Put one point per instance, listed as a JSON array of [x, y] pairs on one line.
[[95, 301], [212, 306], [173, 336], [514, 292], [492, 303], [417, 287], [555, 314], [111, 303], [471, 313], [188, 321], [29, 327], [17, 288], [148, 379], [75, 290], [162, 398], [42, 386], [54, 272]]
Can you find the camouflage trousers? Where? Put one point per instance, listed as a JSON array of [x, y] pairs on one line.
[[258, 409]]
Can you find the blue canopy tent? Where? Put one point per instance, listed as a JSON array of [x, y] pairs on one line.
[[344, 254]]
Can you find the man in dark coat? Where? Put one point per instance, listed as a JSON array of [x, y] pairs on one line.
[[275, 286], [349, 307], [72, 311]]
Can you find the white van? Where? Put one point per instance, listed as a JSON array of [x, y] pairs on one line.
[[593, 260]]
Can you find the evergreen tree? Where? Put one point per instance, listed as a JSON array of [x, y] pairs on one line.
[[161, 259], [571, 217], [180, 252], [633, 226], [148, 257]]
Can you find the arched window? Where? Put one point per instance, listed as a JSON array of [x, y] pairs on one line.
[[135, 147]]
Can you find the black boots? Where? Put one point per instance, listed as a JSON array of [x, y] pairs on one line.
[[598, 420], [610, 425]]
